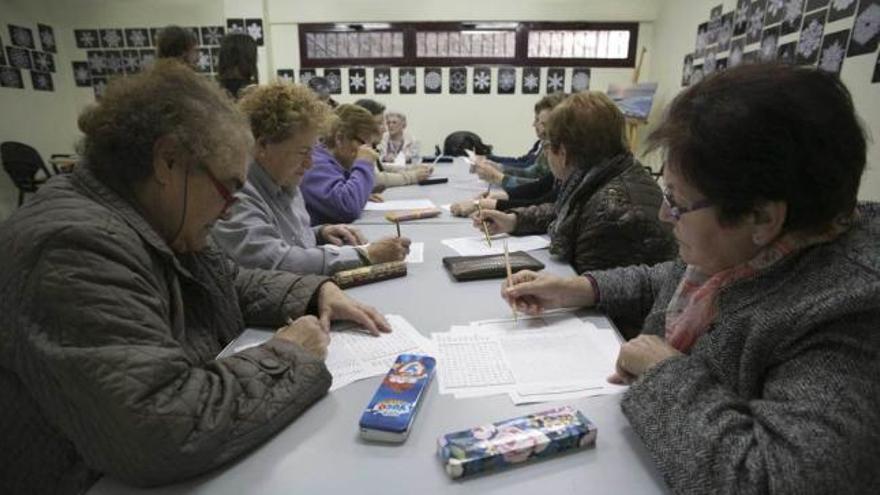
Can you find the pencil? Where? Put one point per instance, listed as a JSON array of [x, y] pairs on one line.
[[485, 227], [397, 224], [509, 278]]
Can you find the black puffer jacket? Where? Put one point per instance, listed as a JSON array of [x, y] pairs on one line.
[[611, 221]]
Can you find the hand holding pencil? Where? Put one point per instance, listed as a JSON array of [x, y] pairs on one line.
[[494, 222]]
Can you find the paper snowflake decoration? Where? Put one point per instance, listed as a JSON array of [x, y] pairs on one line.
[[507, 80], [458, 81], [482, 80], [114, 64], [48, 39], [701, 42], [235, 27], [132, 62], [832, 57], [41, 81], [768, 48], [87, 39], [255, 31], [285, 77], [382, 81], [580, 82], [867, 25], [19, 58], [811, 39], [138, 38], [740, 16], [433, 80], [688, 71], [531, 81], [756, 22], [793, 10], [774, 7], [82, 75], [696, 76], [841, 4], [204, 62], [736, 56], [555, 82], [100, 88], [10, 78], [725, 34], [709, 63], [408, 81], [112, 38], [357, 81], [212, 36], [22, 37], [96, 62], [41, 62]]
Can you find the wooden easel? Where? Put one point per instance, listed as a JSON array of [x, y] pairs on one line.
[[633, 125]]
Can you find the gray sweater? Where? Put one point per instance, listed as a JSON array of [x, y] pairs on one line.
[[269, 228], [782, 395]]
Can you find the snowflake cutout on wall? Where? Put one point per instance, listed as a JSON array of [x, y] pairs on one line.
[[100, 88], [482, 80], [204, 62], [531, 81], [86, 38], [774, 7], [458, 82], [82, 75], [19, 58], [555, 82], [841, 4], [22, 37], [212, 35], [507, 80], [41, 62], [768, 48], [756, 22], [138, 38], [832, 57], [48, 40], [867, 25], [433, 80], [10, 78], [811, 39], [736, 55], [382, 81], [96, 61], [112, 38], [408, 81], [41, 81], [255, 31], [357, 81], [793, 10], [580, 82]]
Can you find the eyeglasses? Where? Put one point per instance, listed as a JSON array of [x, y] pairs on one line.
[[228, 197], [676, 211]]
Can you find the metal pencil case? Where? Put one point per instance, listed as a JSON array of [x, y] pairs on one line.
[[390, 414]]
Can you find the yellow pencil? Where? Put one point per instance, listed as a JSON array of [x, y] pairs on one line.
[[509, 278], [485, 227], [397, 224]]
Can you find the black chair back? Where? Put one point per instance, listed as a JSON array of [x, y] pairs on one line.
[[22, 163]]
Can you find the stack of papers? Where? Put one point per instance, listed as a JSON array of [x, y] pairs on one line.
[[476, 246], [399, 204], [546, 358], [353, 353]]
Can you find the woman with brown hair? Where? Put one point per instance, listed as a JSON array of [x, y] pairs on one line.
[[338, 185], [237, 63], [606, 212], [269, 226]]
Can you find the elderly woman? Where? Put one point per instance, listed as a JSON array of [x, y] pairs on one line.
[[114, 304], [338, 185], [397, 145], [605, 214], [757, 369], [269, 226], [390, 174]]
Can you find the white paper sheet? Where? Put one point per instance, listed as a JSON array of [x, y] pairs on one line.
[[399, 204], [416, 253], [476, 246], [469, 361]]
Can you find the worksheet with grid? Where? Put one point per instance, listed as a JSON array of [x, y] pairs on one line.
[[469, 360]]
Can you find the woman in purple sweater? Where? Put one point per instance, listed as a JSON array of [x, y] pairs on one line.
[[340, 181]]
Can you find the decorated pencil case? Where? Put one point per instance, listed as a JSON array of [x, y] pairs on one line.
[[515, 441], [390, 413], [489, 266], [369, 274], [403, 216]]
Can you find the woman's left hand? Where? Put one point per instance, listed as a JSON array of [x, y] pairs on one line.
[[333, 305], [639, 355], [340, 235]]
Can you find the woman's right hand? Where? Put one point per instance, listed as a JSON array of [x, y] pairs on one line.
[[307, 332], [502, 194], [423, 171], [533, 293], [367, 153], [388, 249], [497, 222], [463, 208]]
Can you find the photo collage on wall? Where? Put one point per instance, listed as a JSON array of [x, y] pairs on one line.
[[29, 55], [115, 52], [821, 33], [478, 80]]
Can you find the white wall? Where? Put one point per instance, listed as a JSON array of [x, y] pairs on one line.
[[674, 35]]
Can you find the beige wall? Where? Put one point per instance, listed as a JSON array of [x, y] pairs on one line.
[[674, 34]]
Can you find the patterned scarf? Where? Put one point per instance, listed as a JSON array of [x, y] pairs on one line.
[[693, 307]]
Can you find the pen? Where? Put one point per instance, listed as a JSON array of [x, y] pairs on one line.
[[509, 279]]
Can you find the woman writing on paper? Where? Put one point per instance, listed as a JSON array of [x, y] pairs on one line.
[[605, 214], [756, 370], [269, 226]]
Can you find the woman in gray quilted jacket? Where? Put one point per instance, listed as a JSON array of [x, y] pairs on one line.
[[758, 363], [605, 215], [113, 303]]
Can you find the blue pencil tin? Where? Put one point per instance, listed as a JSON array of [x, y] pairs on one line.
[[390, 414], [514, 441]]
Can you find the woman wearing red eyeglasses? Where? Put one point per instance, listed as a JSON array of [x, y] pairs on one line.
[[114, 304], [757, 367]]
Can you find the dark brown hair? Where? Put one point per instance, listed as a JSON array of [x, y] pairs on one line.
[[550, 101], [767, 132], [590, 126], [174, 42], [238, 58]]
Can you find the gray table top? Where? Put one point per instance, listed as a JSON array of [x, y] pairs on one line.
[[321, 452]]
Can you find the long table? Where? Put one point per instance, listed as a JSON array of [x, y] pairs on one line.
[[321, 453]]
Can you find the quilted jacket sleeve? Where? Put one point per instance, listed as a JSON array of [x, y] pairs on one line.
[[98, 353], [268, 297], [534, 219]]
